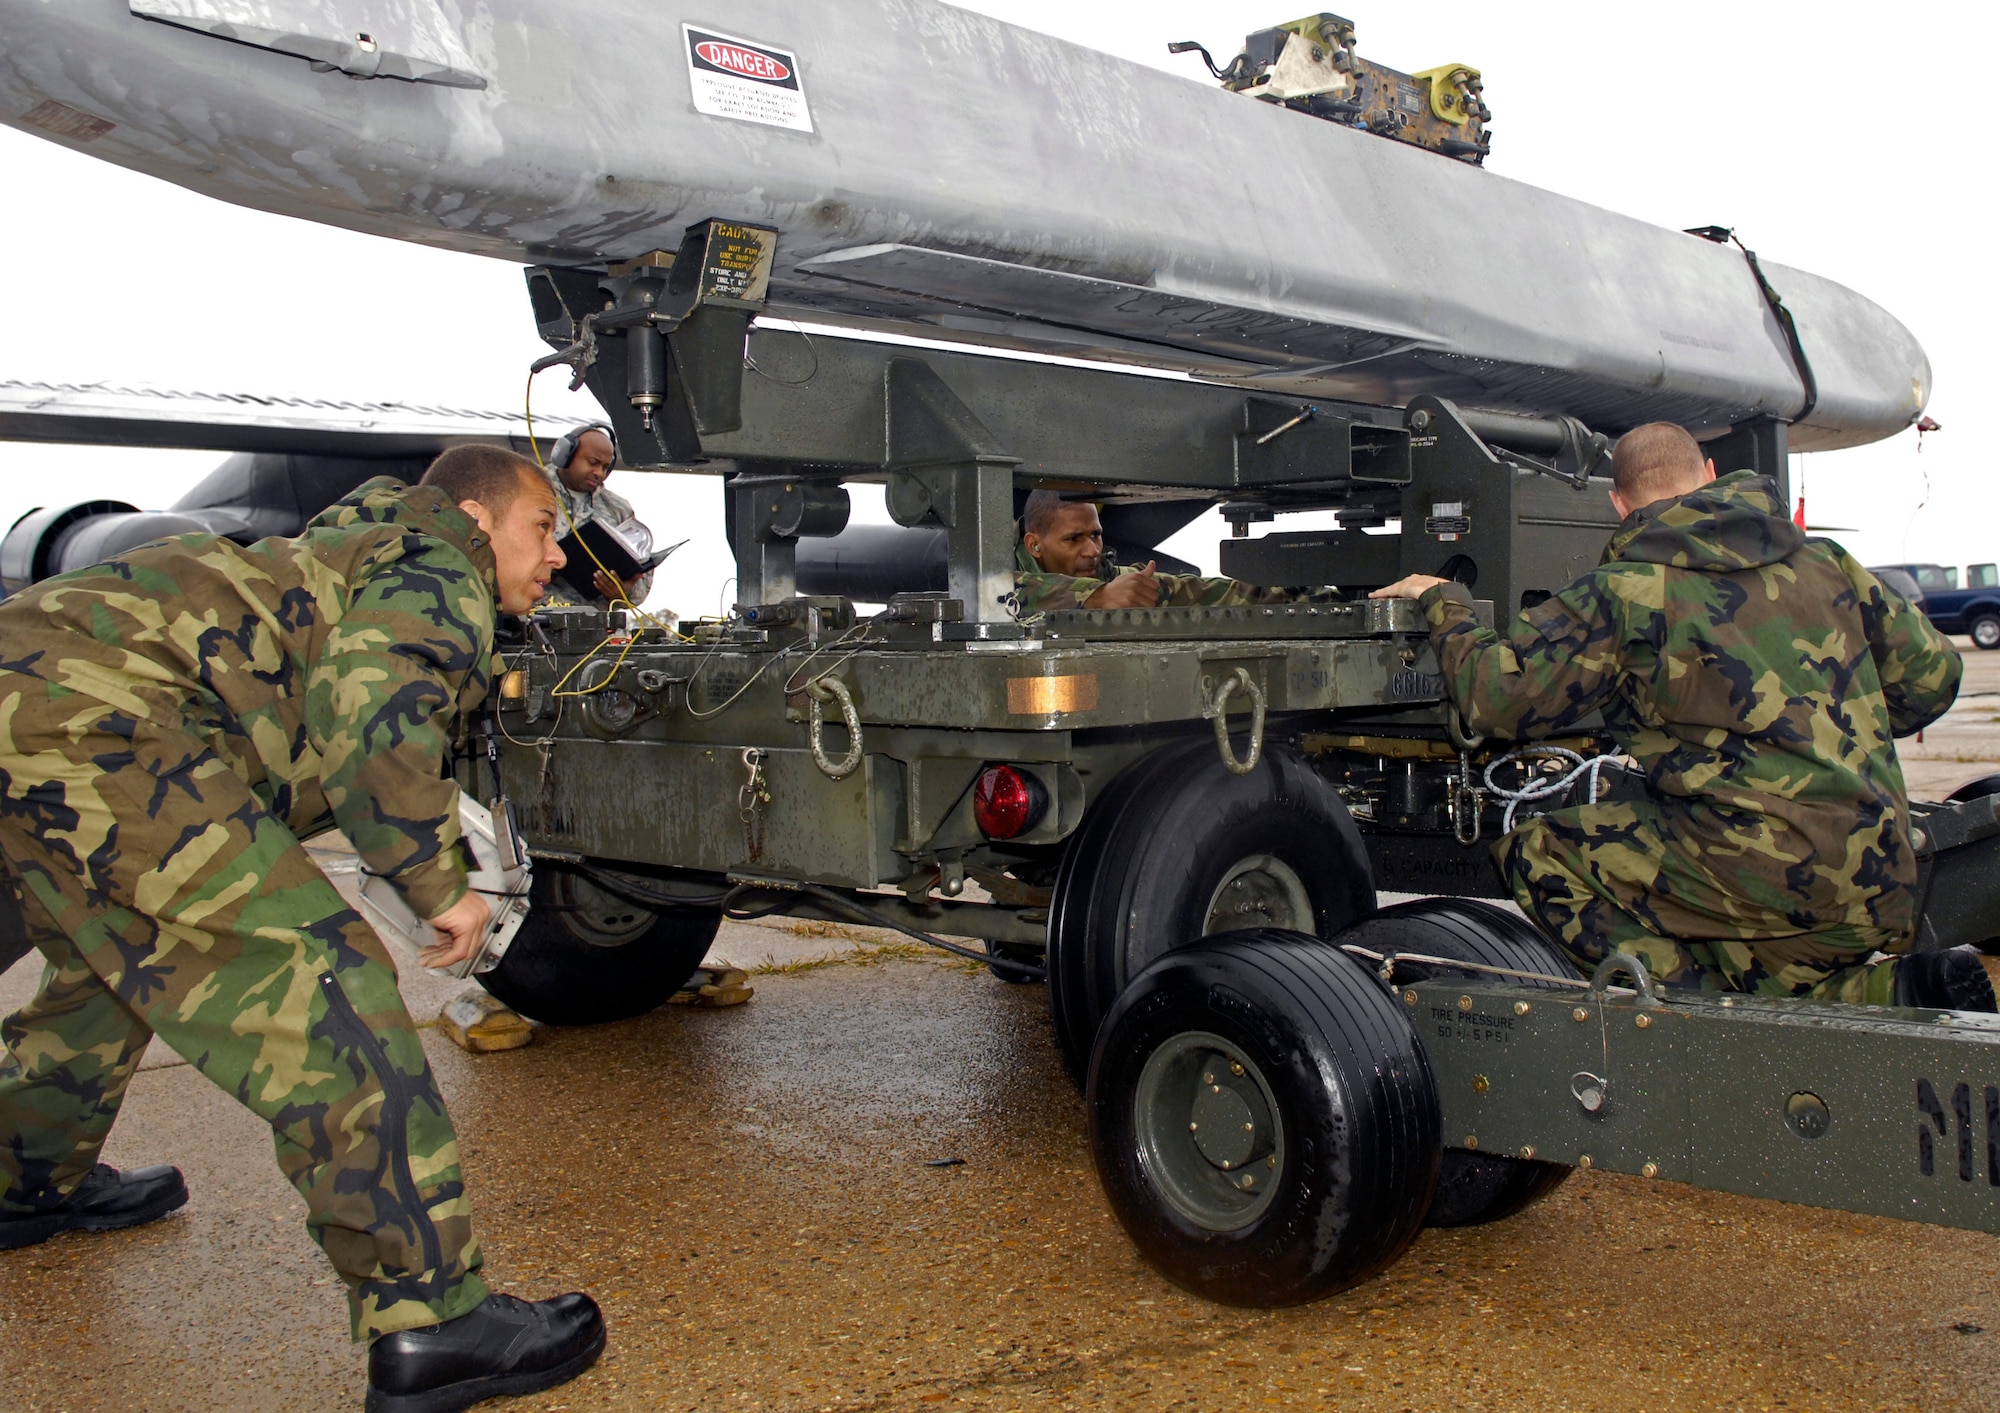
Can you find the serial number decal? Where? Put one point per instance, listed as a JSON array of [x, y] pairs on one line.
[[1410, 685], [1480, 1027], [1448, 520], [1935, 1124]]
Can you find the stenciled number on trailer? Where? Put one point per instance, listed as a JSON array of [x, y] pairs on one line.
[[1936, 1124]]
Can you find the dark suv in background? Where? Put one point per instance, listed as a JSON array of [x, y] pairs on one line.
[[1973, 610]]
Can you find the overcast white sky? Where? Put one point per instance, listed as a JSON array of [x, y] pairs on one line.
[[1847, 139]]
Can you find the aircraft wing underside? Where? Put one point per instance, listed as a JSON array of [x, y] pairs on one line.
[[136, 414]]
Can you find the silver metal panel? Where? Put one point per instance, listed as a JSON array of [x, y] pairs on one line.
[[586, 145]]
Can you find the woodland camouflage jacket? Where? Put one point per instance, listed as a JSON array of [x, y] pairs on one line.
[[1757, 676], [326, 670], [1038, 591]]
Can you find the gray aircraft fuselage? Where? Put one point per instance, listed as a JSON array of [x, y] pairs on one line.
[[940, 173]]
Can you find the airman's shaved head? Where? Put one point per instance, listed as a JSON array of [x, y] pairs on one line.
[[1656, 462]]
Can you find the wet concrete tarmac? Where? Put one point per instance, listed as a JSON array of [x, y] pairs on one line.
[[748, 1193], [1965, 742]]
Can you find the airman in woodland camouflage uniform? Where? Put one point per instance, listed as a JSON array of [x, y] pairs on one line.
[[171, 722], [1759, 678], [1059, 564]]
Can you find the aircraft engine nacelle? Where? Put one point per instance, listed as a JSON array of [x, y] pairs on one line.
[[56, 539], [35, 542], [249, 496]]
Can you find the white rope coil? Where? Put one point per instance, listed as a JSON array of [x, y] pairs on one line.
[[1542, 787]]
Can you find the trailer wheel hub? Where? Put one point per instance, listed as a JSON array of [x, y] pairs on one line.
[[1222, 1126], [597, 917], [1208, 1128], [1259, 891]]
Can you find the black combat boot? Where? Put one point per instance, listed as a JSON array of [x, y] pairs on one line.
[[1952, 980], [500, 1349], [104, 1201]]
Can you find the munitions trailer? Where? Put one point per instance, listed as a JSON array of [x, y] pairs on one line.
[[1179, 818]]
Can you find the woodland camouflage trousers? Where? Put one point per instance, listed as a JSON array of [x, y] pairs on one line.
[[1611, 878], [168, 901]]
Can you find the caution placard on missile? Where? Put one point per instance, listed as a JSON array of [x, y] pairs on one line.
[[754, 83]]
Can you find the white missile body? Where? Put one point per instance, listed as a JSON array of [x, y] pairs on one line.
[[942, 174]]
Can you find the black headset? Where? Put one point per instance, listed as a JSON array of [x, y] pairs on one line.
[[565, 447]]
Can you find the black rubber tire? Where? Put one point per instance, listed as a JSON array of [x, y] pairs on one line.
[[1984, 631], [1477, 1188], [1975, 790], [1473, 1188], [585, 956], [1138, 876], [1347, 1080]]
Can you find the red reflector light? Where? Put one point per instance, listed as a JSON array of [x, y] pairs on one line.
[[1007, 802]]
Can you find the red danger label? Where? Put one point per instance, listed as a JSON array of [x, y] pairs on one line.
[[741, 60], [750, 63], [746, 80]]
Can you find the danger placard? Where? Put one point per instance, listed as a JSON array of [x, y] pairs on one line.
[[754, 83]]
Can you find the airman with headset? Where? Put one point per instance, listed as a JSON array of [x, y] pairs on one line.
[[579, 464]]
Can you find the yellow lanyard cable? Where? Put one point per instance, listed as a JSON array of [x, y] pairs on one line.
[[558, 692]]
